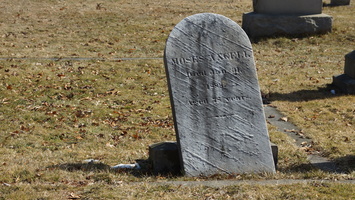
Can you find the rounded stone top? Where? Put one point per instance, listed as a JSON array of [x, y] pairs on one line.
[[206, 34]]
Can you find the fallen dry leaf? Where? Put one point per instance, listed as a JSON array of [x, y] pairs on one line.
[[110, 145], [285, 119], [73, 196]]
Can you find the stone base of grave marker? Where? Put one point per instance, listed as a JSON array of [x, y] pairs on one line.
[[164, 157], [340, 2], [266, 25], [346, 81]]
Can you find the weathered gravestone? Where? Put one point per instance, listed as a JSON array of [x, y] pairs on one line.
[[215, 98], [340, 2], [346, 81], [296, 7], [286, 17]]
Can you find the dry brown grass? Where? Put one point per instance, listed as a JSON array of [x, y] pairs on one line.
[[56, 113], [93, 29]]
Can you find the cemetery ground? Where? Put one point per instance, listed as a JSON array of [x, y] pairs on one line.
[[68, 93]]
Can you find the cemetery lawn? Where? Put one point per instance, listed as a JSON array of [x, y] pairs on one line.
[[57, 113]]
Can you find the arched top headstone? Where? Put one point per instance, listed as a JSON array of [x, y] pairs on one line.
[[207, 33], [215, 96]]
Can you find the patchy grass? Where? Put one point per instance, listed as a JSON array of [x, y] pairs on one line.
[[56, 113], [109, 29], [101, 190]]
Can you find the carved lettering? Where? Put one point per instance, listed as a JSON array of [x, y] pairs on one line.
[[196, 74], [224, 116], [213, 72], [216, 85], [235, 55], [215, 100], [236, 98], [236, 70], [198, 102], [212, 57]]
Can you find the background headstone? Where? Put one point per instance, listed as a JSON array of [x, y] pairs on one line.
[[346, 81], [215, 97], [286, 18], [296, 7], [349, 67], [340, 2]]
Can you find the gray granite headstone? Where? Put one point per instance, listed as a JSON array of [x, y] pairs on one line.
[[286, 17], [339, 2], [215, 98], [346, 81], [349, 67], [296, 7]]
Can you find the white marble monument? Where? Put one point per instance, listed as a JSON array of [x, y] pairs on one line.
[[215, 98]]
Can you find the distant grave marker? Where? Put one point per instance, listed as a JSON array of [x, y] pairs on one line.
[[340, 2], [349, 67], [346, 81], [286, 17], [215, 97], [296, 7]]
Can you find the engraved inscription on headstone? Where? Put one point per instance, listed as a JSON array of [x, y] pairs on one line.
[[215, 98]]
